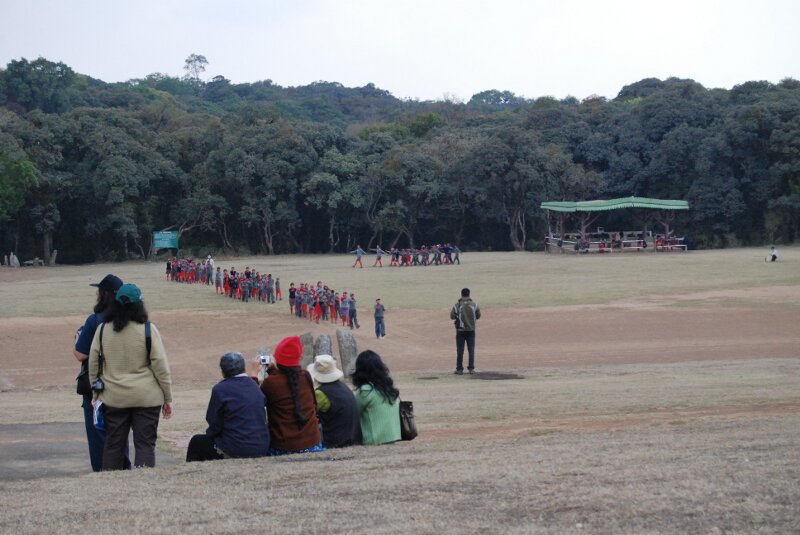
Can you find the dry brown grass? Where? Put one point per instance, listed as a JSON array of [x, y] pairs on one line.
[[705, 477], [500, 279], [700, 447]]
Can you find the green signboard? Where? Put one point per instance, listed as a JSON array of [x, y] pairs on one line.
[[167, 239]]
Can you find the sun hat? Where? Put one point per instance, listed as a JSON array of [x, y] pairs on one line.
[[110, 283], [129, 293], [324, 369], [288, 351]]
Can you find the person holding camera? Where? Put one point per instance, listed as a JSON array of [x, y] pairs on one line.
[[237, 419], [106, 289], [130, 374]]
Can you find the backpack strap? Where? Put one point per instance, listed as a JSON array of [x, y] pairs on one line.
[[102, 355], [148, 340]]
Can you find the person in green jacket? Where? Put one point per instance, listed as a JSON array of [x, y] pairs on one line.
[[378, 400]]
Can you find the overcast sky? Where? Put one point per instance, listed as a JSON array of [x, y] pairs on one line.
[[423, 49]]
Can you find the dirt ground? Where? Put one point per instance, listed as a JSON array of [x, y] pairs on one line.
[[629, 407], [658, 329]]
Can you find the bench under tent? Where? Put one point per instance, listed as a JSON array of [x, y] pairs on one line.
[[587, 212]]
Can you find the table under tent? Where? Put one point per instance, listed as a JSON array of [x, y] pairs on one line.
[[586, 213]]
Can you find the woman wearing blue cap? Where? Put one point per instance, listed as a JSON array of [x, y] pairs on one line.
[[130, 374]]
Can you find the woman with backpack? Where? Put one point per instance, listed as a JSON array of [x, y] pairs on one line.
[[106, 290], [130, 375]]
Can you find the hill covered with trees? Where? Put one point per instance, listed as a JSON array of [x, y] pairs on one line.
[[93, 168]]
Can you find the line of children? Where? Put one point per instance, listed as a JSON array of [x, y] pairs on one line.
[[320, 303], [312, 302], [242, 286], [434, 255]]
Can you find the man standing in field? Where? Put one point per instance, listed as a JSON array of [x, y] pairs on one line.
[[465, 314]]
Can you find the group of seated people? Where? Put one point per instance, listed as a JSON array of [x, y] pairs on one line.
[[282, 408]]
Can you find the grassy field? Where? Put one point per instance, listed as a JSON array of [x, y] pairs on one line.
[[607, 441], [499, 279]]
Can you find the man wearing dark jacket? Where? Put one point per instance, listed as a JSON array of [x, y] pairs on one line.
[[465, 314], [237, 419]]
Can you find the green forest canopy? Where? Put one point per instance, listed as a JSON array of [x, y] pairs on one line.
[[93, 168]]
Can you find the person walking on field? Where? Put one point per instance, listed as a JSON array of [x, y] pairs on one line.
[[353, 312], [378, 256], [359, 252], [465, 313], [380, 326]]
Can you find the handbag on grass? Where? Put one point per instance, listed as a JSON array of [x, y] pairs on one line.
[[408, 426]]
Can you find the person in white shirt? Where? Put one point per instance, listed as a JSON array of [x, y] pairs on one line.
[[773, 254]]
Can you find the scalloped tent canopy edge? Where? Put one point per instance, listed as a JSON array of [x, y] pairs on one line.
[[614, 204]]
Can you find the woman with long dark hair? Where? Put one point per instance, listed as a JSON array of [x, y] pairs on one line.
[[136, 382], [106, 290], [291, 405], [378, 399]]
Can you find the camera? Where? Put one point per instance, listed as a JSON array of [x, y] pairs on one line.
[[264, 359], [98, 385]]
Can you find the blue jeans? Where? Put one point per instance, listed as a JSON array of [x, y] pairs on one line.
[[467, 337], [380, 327], [96, 438]]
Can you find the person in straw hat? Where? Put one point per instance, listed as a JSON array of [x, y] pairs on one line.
[[337, 409]]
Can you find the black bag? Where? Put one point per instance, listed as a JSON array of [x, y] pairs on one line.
[[408, 426], [82, 386]]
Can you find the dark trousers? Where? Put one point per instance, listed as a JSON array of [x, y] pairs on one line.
[[469, 338], [144, 421], [354, 318], [97, 438], [201, 448]]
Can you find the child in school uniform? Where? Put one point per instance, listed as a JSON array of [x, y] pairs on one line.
[[218, 281], [344, 309]]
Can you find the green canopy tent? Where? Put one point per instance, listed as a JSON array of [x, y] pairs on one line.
[[587, 210]]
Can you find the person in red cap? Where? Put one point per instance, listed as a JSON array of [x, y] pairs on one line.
[[291, 403]]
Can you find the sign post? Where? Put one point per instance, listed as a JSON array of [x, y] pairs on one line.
[[165, 239]]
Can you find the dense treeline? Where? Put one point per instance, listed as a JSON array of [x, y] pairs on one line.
[[91, 168]]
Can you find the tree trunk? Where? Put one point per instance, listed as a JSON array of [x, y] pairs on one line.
[[268, 237], [371, 240], [410, 235], [460, 230], [224, 234], [139, 246], [47, 240], [331, 225], [395, 240], [515, 228]]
